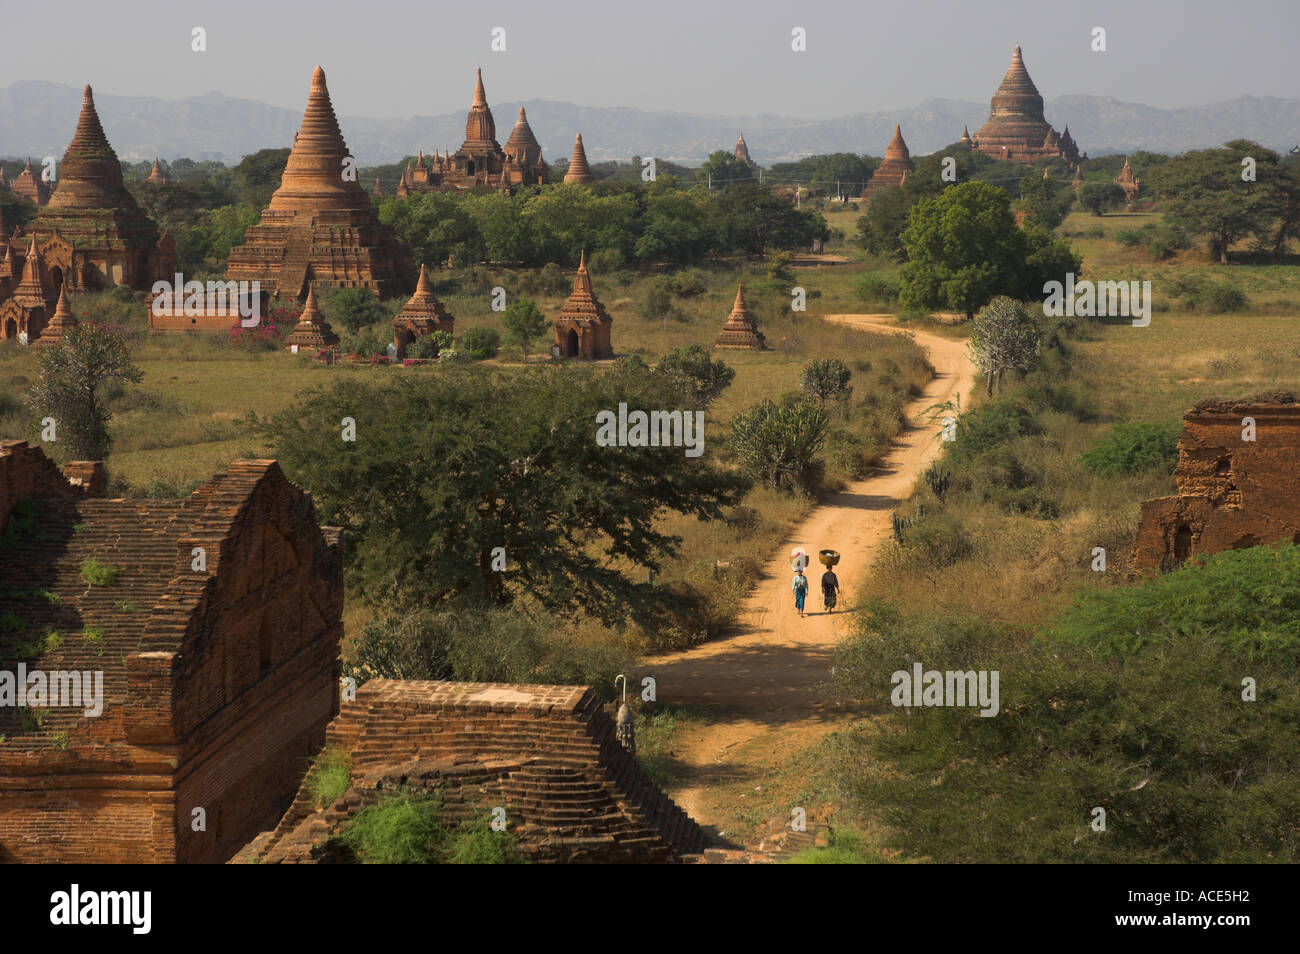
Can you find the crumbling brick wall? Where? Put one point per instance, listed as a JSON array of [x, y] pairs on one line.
[[1232, 492]]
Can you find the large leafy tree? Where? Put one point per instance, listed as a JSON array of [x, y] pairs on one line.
[[73, 377], [447, 468], [752, 219], [963, 248], [1204, 193], [723, 169]]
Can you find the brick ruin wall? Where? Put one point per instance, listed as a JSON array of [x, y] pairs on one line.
[[1232, 493], [548, 754], [228, 697]]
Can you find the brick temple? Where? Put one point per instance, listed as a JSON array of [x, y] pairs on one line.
[[548, 755], [27, 298], [1232, 493], [312, 332], [740, 333], [1016, 129], [91, 233], [319, 221], [420, 317], [1130, 183], [219, 675], [582, 328], [480, 161], [893, 171]]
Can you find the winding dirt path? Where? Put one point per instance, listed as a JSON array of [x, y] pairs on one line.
[[758, 689]]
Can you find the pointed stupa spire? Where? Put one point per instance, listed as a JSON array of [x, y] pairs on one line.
[[90, 176], [9, 265], [31, 291], [897, 148], [480, 127], [579, 172], [741, 330], [377, 191], [60, 323], [313, 177], [522, 145], [156, 175]]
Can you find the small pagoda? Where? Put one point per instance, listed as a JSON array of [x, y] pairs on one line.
[[893, 171], [156, 175], [1130, 183], [582, 327], [60, 323], [420, 317], [312, 330], [30, 186], [740, 333], [319, 220], [26, 312], [579, 172]]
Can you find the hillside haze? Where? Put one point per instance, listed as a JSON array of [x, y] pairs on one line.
[[37, 118]]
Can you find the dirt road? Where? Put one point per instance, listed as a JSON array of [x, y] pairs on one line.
[[758, 688]]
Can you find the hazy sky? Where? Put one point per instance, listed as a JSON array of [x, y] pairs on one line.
[[396, 59]]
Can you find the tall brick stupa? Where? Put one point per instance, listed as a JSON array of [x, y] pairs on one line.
[[1016, 129], [893, 171], [92, 233], [321, 221]]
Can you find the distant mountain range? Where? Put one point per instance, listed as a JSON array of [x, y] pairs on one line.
[[38, 118]]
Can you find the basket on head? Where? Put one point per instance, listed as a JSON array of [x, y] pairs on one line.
[[828, 558]]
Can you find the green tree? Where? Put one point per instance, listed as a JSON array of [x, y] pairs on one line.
[[354, 308], [695, 375], [1204, 193], [880, 231], [777, 442], [1100, 197], [73, 376], [724, 170], [963, 248], [447, 468], [1004, 337], [524, 323]]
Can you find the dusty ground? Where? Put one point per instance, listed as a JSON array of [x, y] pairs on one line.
[[756, 693]]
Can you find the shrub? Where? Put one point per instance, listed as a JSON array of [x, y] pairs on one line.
[[935, 542], [825, 378], [876, 290], [99, 574], [330, 777], [696, 375], [475, 843], [991, 425], [94, 638], [689, 283], [480, 343], [470, 645], [402, 828], [1130, 447]]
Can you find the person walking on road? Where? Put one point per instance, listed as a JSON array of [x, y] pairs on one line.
[[830, 589], [800, 587]]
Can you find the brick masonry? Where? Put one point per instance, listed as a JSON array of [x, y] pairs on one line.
[[1232, 493], [219, 683], [547, 754]]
